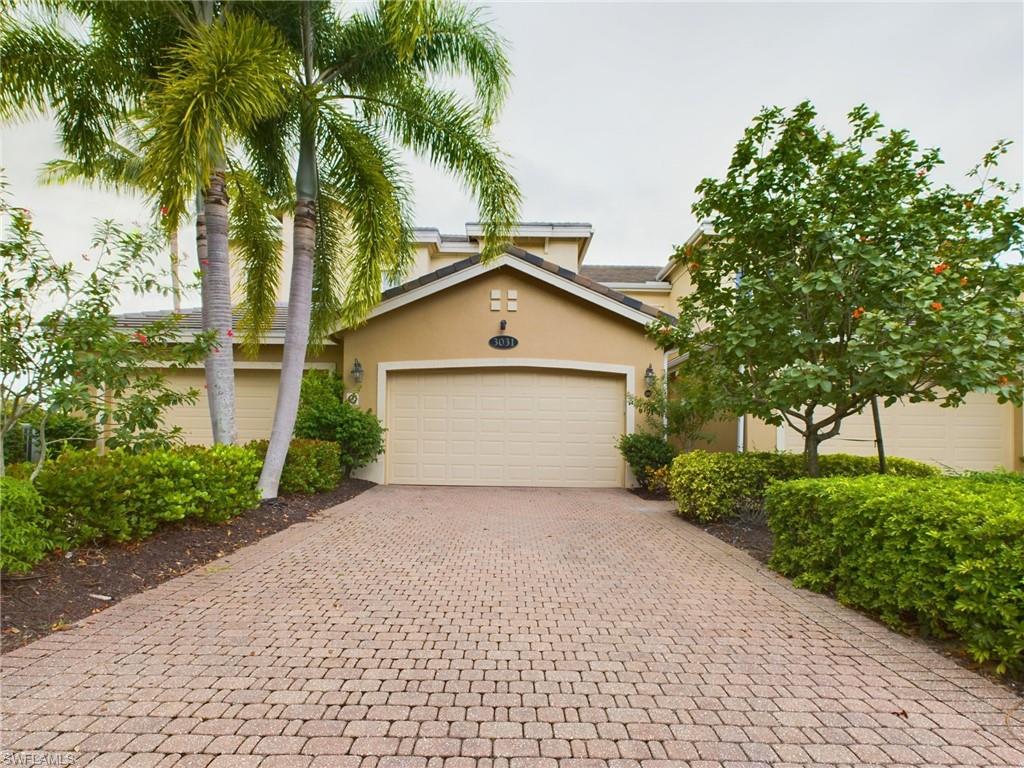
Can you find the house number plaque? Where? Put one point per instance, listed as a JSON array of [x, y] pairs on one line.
[[504, 342]]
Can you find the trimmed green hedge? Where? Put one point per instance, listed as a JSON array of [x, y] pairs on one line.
[[946, 554], [24, 533], [310, 467], [710, 486], [120, 496]]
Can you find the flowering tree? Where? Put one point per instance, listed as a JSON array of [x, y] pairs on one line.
[[840, 272], [60, 352]]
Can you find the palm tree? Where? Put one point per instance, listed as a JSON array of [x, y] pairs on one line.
[[363, 90], [139, 59]]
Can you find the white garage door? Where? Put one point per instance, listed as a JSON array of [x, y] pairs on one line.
[[255, 400], [505, 427], [976, 436]]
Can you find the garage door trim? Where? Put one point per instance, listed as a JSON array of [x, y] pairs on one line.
[[376, 472]]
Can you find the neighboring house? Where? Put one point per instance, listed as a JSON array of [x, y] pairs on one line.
[[516, 372]]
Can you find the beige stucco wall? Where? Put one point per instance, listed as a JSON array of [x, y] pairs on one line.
[[456, 323], [256, 382]]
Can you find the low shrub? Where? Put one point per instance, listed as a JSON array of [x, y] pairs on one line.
[[645, 453], [24, 534], [710, 486], [120, 496], [657, 481], [324, 414], [311, 466], [63, 431], [945, 554]]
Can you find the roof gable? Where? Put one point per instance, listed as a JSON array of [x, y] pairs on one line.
[[529, 263]]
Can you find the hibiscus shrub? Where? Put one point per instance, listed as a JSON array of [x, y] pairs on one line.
[[945, 555], [312, 466]]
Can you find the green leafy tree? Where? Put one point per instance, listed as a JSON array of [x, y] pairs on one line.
[[366, 86], [60, 351], [840, 271]]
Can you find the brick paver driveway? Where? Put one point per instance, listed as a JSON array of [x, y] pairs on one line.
[[495, 627]]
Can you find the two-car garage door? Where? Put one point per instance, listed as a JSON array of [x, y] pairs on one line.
[[532, 427]]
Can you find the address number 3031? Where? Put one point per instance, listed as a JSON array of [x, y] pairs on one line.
[[504, 342]]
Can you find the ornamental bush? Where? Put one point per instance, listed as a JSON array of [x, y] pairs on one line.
[[324, 414], [645, 453], [312, 466], [24, 533], [710, 486], [62, 431], [944, 554], [121, 496]]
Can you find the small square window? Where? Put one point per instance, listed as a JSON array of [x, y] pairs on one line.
[[513, 293], [496, 305], [513, 305], [495, 293]]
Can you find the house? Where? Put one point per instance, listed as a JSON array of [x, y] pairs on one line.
[[516, 372]]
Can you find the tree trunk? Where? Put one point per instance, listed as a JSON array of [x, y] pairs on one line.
[[296, 339], [879, 443], [175, 277], [220, 364], [811, 442]]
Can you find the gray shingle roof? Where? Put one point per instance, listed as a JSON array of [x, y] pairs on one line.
[[191, 322], [609, 273]]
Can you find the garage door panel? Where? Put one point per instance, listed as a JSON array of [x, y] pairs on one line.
[[505, 427], [976, 436]]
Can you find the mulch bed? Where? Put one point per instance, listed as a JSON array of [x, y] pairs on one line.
[[67, 587]]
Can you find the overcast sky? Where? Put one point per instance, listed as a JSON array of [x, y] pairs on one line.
[[618, 110]]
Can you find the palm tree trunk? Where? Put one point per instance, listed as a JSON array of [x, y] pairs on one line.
[[175, 277], [220, 364], [300, 302]]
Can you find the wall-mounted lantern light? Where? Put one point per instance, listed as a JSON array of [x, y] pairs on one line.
[[649, 377], [357, 371], [503, 325]]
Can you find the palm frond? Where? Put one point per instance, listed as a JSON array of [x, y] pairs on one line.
[[457, 40], [329, 260], [120, 169], [450, 133], [222, 79], [256, 241], [362, 174], [415, 39]]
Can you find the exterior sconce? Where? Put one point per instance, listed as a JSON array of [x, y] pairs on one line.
[[503, 325], [357, 371], [649, 377]]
